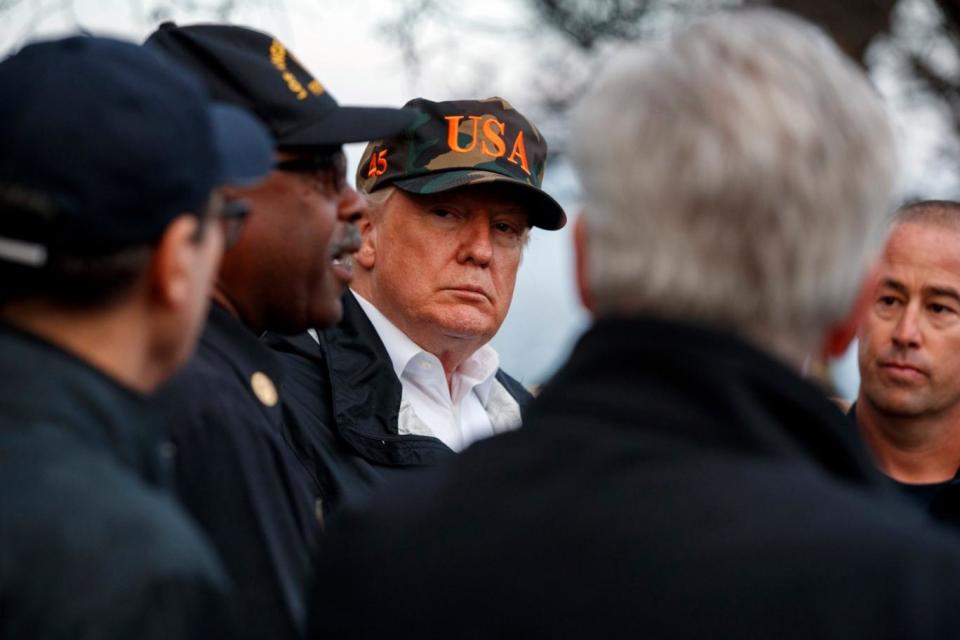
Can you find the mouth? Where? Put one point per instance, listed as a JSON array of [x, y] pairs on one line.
[[902, 369], [341, 254], [469, 290], [342, 266]]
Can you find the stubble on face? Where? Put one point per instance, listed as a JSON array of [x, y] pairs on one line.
[[909, 351]]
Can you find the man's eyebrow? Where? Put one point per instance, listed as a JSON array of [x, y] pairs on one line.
[[944, 291], [890, 283]]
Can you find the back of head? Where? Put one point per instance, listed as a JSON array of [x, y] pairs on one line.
[[736, 174], [105, 143]]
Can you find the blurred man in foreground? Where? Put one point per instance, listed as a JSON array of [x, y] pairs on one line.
[[110, 235], [908, 407], [408, 378], [678, 478], [237, 472]]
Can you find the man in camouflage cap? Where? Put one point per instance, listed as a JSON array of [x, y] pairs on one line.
[[408, 378]]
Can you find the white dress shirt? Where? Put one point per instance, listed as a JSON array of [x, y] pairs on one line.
[[459, 414]]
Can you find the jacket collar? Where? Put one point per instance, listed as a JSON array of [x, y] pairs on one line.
[[252, 362], [234, 342], [366, 393], [45, 384], [707, 388]]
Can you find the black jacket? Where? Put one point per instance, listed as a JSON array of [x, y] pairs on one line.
[[239, 477], [671, 482], [343, 400], [91, 543]]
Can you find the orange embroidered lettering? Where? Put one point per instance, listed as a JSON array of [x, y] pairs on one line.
[[489, 131], [378, 164], [519, 149], [277, 55], [294, 85], [453, 133]]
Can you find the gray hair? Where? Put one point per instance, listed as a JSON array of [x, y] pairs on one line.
[[738, 173], [377, 200]]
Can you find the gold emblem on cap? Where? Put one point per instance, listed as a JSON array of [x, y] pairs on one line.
[[264, 389], [278, 58]]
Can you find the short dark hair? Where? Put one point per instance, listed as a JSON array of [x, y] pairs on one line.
[[942, 213], [76, 281]]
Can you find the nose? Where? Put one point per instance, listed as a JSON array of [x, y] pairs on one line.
[[475, 242], [907, 333], [351, 205]]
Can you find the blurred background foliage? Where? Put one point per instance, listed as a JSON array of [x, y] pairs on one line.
[[910, 47]]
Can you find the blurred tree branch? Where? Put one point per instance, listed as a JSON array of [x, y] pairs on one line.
[[36, 12], [585, 22], [853, 24], [575, 32], [921, 37]]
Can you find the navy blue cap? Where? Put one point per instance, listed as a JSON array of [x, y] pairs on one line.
[[256, 71], [103, 143]]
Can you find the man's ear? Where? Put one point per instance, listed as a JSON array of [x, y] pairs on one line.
[[366, 255], [839, 336], [173, 262], [582, 261]]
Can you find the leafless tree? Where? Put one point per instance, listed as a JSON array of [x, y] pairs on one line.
[[915, 41], [919, 39]]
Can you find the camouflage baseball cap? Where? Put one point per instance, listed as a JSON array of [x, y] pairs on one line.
[[463, 142]]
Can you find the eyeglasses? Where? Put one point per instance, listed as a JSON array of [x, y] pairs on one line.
[[233, 216], [328, 172]]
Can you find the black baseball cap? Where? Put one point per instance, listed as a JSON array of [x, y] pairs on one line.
[[255, 70], [104, 142]]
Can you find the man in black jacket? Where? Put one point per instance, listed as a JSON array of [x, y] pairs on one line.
[[236, 471], [678, 478], [110, 234], [408, 378]]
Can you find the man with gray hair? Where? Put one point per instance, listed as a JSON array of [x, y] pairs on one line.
[[678, 478]]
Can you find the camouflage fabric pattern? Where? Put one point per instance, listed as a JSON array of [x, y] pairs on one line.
[[462, 142]]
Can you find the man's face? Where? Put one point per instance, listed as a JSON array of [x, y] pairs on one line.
[[292, 263], [443, 266], [198, 256], [910, 340]]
